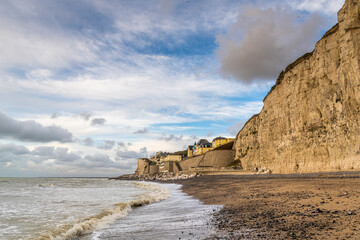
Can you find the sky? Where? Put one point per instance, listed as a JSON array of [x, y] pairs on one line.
[[88, 87]]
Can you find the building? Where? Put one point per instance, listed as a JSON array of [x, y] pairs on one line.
[[201, 147], [190, 152], [218, 141], [175, 158], [159, 157]]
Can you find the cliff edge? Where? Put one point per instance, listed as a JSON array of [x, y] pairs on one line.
[[310, 120]]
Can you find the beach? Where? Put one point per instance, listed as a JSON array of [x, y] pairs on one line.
[[296, 206]]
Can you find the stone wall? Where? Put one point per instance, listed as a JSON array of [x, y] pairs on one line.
[[153, 169], [214, 159], [217, 158], [310, 120], [211, 159], [169, 166]]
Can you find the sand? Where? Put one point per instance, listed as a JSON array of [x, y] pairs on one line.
[[299, 206]]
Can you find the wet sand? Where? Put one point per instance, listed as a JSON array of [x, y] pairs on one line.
[[298, 206]]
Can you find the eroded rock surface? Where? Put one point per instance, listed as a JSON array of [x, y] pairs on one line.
[[310, 120]]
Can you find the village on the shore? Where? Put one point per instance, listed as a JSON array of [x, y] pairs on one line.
[[202, 156], [200, 147]]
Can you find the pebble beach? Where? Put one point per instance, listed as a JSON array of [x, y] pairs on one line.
[[295, 206]]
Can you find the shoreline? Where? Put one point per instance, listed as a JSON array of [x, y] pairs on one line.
[[179, 216], [275, 206]]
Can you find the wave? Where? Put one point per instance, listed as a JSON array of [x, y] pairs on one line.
[[46, 185], [103, 219]]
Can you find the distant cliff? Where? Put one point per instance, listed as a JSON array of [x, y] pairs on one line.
[[310, 120]]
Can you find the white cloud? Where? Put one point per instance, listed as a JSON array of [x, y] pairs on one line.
[[107, 145], [323, 6], [31, 131], [27, 46], [39, 74], [171, 137]]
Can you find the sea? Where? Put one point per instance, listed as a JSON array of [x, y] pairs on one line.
[[98, 208]]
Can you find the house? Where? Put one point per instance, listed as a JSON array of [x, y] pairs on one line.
[[190, 150], [218, 141], [201, 147], [174, 158]]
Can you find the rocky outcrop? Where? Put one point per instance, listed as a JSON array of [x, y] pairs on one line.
[[310, 120], [142, 166]]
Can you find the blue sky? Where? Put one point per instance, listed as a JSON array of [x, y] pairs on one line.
[[87, 87]]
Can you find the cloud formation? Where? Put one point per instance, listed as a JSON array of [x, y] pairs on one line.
[[31, 131], [123, 153], [39, 154], [324, 6], [126, 154], [142, 131], [98, 160], [263, 42], [98, 121], [14, 149], [86, 115], [88, 142], [58, 157], [171, 137], [107, 145]]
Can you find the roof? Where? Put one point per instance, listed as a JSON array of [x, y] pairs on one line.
[[160, 154], [218, 138], [202, 141]]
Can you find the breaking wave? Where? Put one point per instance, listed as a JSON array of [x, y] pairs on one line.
[[103, 219], [46, 185]]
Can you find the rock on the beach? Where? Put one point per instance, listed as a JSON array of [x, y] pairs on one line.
[[162, 176], [264, 171]]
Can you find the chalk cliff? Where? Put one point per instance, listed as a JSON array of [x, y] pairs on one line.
[[310, 120]]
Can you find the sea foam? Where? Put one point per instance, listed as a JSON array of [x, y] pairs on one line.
[[103, 219]]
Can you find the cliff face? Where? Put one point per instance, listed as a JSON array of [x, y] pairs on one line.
[[310, 120]]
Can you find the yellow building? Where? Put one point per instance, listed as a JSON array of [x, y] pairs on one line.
[[176, 158], [190, 152], [220, 141], [201, 147], [202, 150]]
